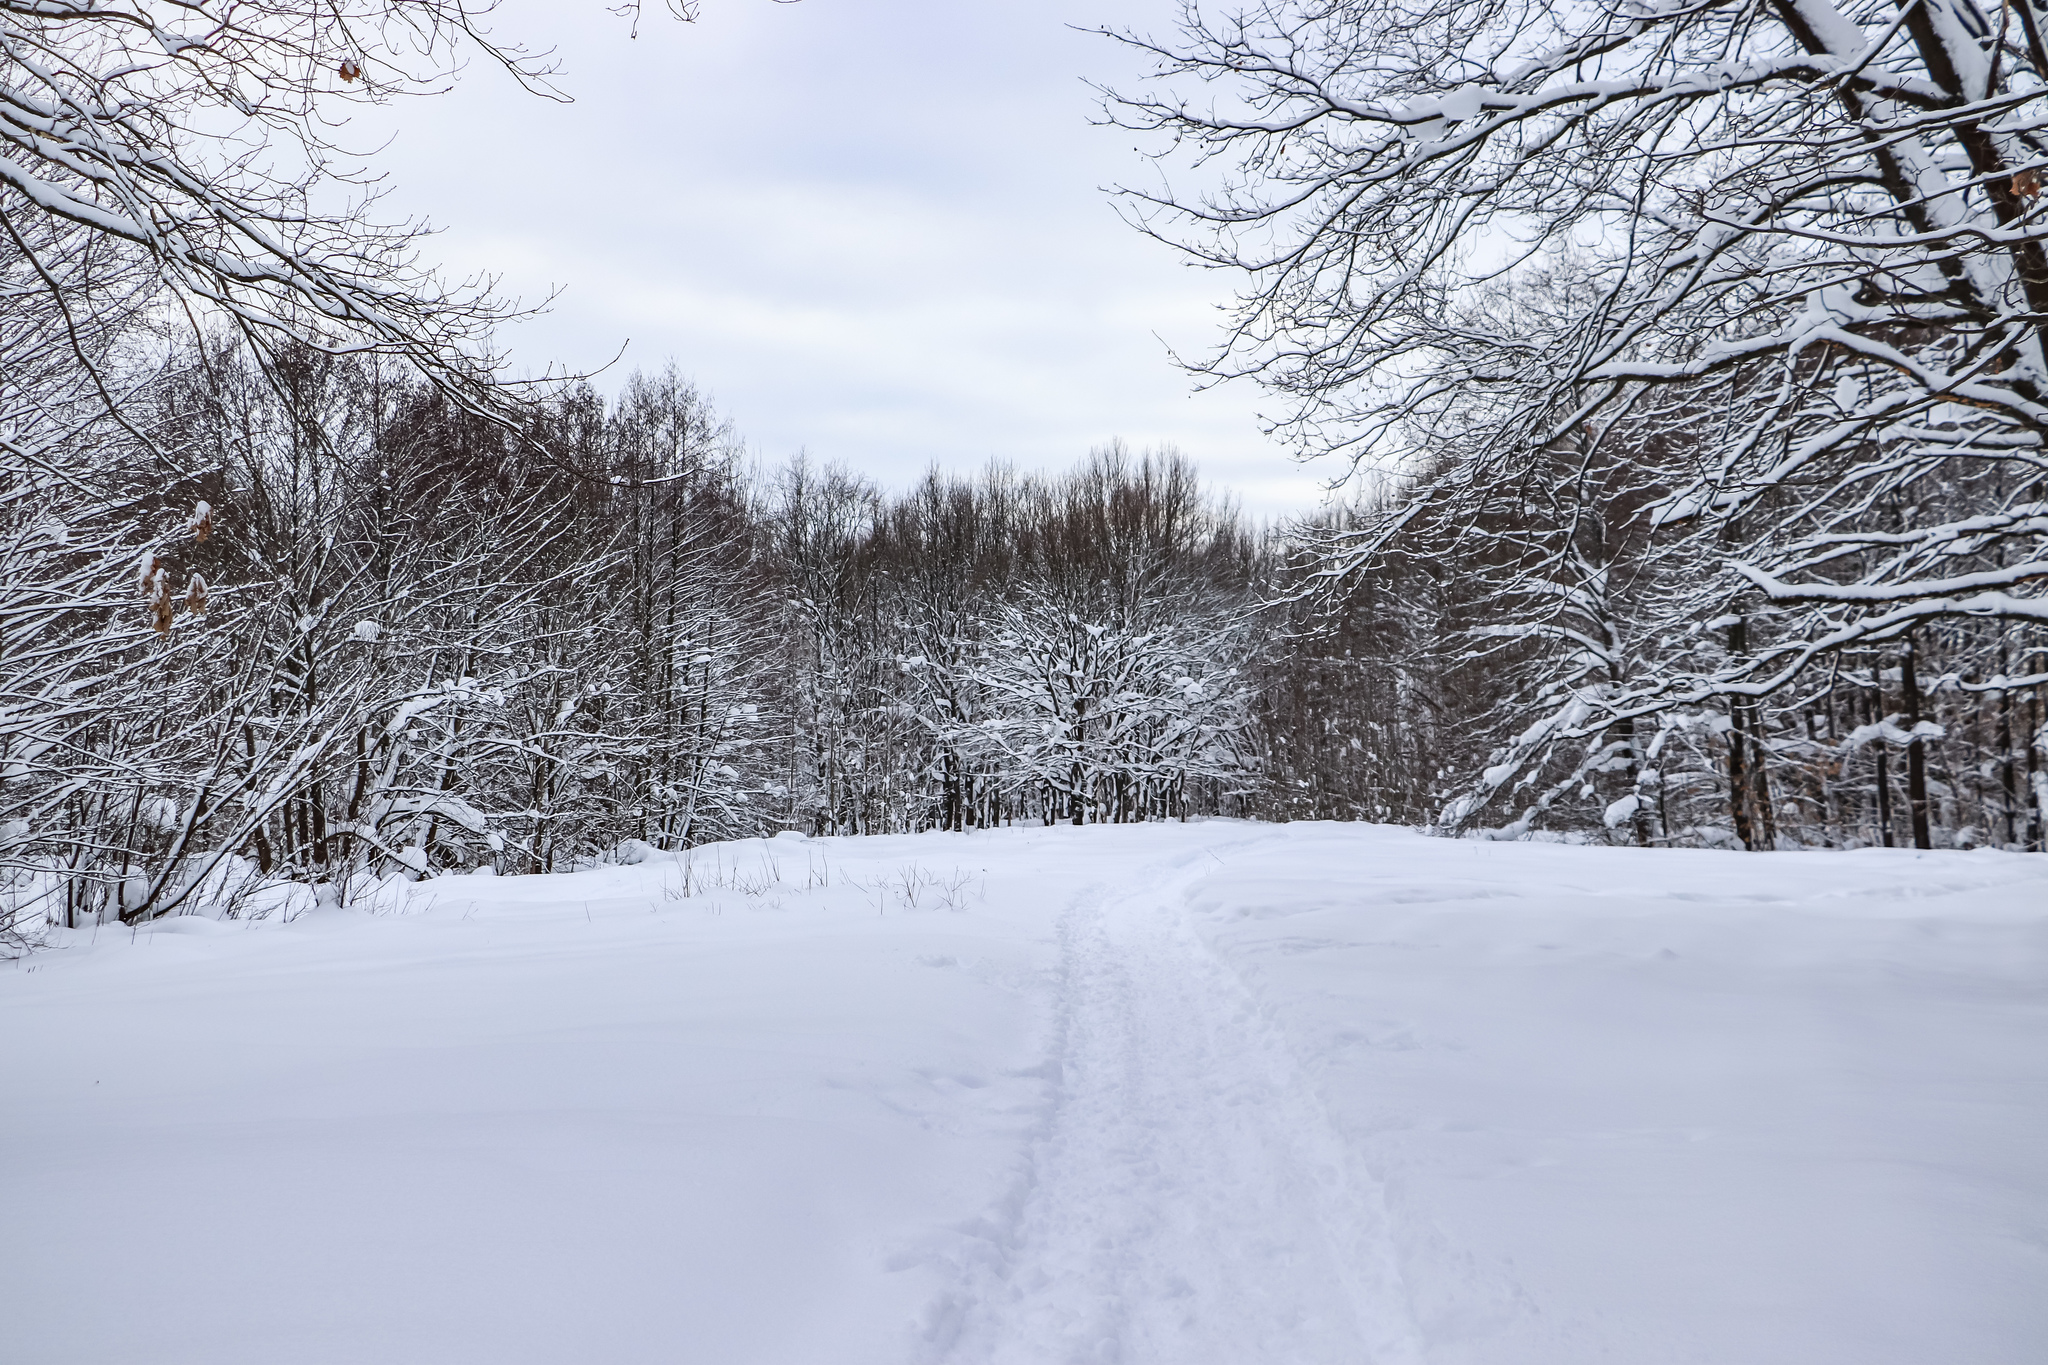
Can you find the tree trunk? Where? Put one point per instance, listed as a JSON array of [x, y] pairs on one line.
[[1760, 776], [1884, 800], [1916, 752], [1078, 808], [2034, 820], [1746, 781], [1738, 785], [2006, 775]]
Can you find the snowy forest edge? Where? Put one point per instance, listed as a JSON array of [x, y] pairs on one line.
[[1726, 530]]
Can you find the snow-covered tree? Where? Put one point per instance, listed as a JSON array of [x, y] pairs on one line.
[[1801, 244], [1112, 722]]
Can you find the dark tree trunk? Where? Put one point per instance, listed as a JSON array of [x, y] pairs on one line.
[[1738, 785], [1884, 799], [1749, 790], [1760, 776], [1079, 807], [2035, 833], [2007, 776], [1916, 752], [265, 859]]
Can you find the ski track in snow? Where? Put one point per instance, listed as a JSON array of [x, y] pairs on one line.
[[1187, 1199], [1215, 1094]]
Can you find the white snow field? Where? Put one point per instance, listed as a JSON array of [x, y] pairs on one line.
[[1206, 1094]]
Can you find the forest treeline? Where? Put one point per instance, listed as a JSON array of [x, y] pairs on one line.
[[316, 622], [1688, 363], [312, 620]]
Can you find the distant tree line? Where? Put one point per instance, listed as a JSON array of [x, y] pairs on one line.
[[1461, 682], [1691, 361], [313, 620]]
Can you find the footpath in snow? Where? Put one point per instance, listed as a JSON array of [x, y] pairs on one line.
[[1208, 1094]]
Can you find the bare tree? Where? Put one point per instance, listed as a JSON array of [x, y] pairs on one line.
[[1801, 240]]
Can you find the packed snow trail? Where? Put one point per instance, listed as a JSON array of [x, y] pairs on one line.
[[1189, 1201], [1207, 1094]]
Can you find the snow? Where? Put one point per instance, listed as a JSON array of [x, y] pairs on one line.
[[1216, 1092]]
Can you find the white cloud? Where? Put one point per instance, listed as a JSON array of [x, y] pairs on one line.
[[874, 230]]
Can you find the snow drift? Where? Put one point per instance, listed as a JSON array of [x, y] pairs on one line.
[[1215, 1092]]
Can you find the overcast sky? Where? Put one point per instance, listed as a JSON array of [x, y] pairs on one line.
[[872, 229]]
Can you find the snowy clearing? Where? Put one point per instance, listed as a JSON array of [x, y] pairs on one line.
[[1177, 1094]]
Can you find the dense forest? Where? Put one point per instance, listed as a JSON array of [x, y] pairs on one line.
[[1710, 514], [374, 634]]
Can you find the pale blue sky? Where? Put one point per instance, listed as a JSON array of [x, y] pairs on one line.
[[873, 229]]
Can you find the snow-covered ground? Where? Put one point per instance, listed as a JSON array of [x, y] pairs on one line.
[[1218, 1093]]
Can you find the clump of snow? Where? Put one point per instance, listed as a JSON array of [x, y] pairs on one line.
[[1621, 811], [633, 852]]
